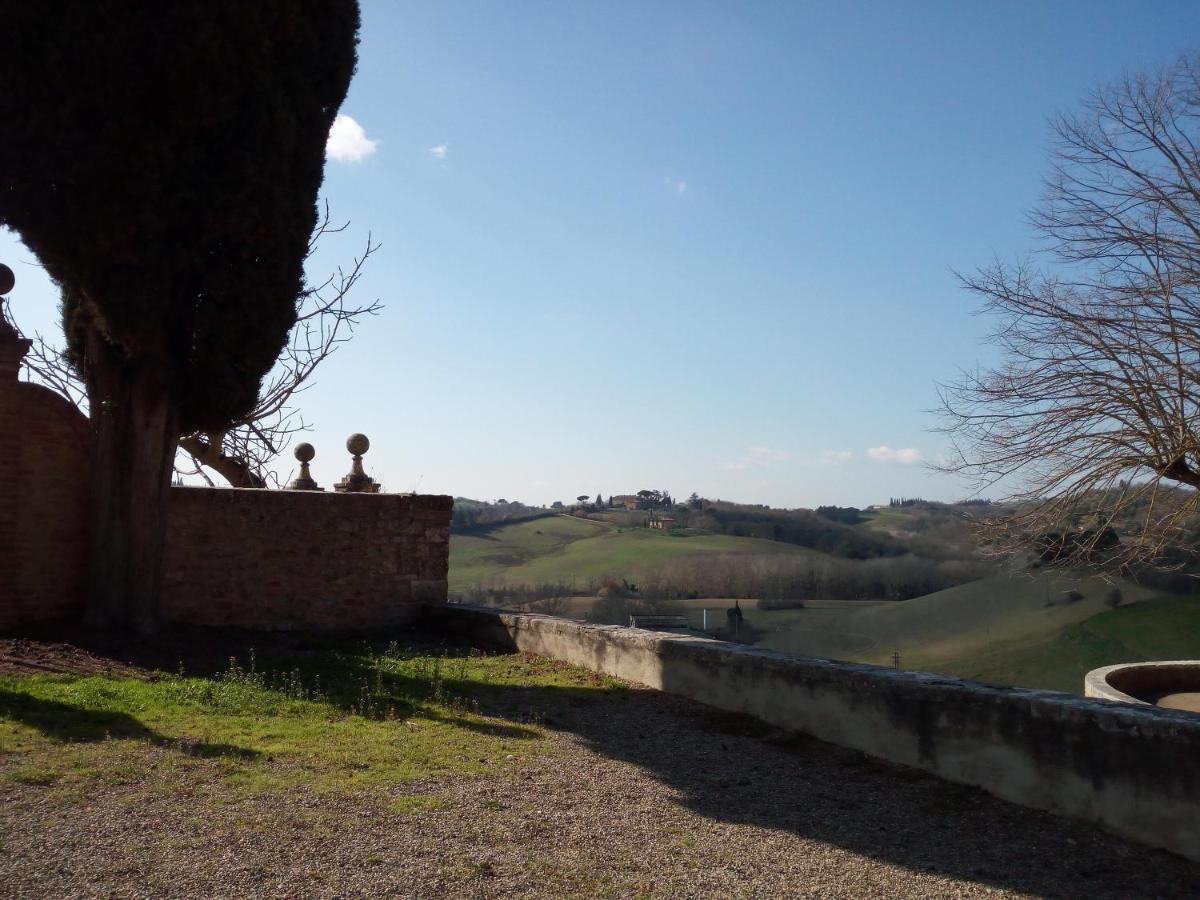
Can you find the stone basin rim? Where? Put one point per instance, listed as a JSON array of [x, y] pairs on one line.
[[1159, 678]]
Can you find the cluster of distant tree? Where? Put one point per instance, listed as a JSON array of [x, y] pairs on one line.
[[786, 581], [778, 582], [473, 516], [847, 515], [802, 527], [898, 502]]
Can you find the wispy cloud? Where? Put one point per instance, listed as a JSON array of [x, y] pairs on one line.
[[348, 142], [440, 152], [905, 455], [755, 456], [678, 185]]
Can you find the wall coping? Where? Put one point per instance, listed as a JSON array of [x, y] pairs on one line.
[[319, 496], [1119, 712]]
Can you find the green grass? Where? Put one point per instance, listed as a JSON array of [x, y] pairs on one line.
[[946, 625], [566, 550], [887, 519], [342, 719], [1159, 629]]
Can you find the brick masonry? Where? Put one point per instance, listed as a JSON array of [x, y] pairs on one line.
[[303, 560], [43, 504], [262, 559]]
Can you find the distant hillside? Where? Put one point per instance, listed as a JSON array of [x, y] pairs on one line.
[[471, 516], [956, 630], [579, 553], [1163, 628], [802, 527]]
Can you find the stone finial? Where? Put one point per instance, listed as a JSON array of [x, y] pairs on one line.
[[13, 347], [358, 481], [304, 481]]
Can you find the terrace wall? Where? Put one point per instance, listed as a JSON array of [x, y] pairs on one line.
[[303, 560], [1130, 768], [260, 559]]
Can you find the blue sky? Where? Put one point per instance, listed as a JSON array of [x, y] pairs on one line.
[[688, 246]]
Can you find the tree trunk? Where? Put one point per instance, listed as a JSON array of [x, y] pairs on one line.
[[134, 433]]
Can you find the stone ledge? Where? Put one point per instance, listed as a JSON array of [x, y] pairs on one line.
[[1129, 768]]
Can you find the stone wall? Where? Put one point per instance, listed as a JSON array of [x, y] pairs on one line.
[[308, 560], [1132, 769]]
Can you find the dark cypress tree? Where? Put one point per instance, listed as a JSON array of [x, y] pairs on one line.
[[163, 162]]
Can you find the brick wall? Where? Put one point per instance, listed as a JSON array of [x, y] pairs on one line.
[[43, 504], [254, 559], [303, 560]]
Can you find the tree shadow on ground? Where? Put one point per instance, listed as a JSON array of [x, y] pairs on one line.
[[72, 724], [737, 769], [727, 768]]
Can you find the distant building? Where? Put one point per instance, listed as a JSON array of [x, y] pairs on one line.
[[662, 523], [626, 501]]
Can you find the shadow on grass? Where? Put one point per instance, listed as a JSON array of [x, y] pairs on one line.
[[66, 723]]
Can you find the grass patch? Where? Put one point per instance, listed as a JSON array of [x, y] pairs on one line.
[[1151, 630], [346, 717]]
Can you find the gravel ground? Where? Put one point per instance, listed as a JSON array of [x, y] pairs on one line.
[[639, 795]]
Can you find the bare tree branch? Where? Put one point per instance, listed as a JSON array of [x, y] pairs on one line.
[[1094, 412]]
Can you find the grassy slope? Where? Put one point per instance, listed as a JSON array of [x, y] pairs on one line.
[[946, 625], [889, 519], [476, 558], [568, 550], [1167, 628]]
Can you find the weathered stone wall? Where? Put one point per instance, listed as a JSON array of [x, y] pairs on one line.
[[307, 560], [43, 503], [1131, 768]]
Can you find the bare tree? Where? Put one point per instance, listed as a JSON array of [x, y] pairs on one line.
[[243, 453], [1091, 418]]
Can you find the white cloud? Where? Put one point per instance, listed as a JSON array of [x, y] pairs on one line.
[[440, 152], [678, 185], [755, 456], [905, 455], [348, 142]]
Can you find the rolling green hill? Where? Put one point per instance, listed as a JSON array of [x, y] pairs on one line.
[[568, 550], [947, 625], [1165, 628], [1035, 629]]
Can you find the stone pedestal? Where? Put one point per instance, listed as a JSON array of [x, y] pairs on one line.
[[304, 481], [358, 481]]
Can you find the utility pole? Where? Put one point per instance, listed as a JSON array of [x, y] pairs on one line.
[[896, 659]]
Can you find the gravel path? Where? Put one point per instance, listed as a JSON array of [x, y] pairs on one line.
[[639, 795]]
